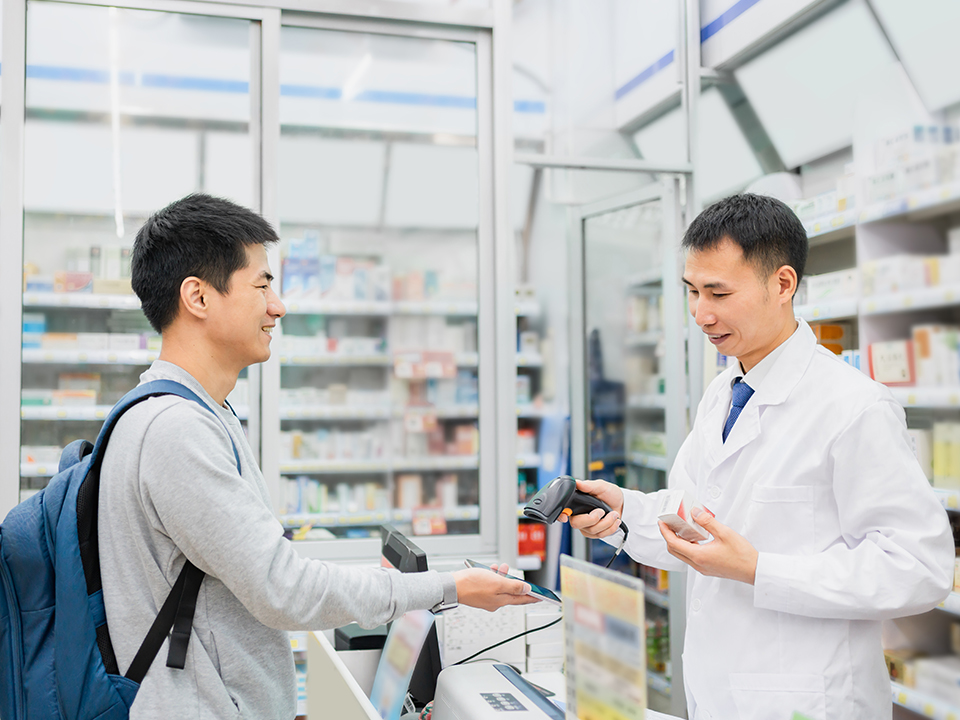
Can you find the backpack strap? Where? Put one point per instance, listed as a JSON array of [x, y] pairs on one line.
[[178, 609]]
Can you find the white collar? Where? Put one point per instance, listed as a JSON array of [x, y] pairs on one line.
[[759, 372]]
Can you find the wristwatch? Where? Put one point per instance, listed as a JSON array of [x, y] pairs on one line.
[[450, 600]]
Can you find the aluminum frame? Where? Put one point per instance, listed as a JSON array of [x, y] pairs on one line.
[[12, 132], [494, 537], [667, 192]]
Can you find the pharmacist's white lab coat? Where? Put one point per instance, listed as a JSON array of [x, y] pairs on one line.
[[819, 475]]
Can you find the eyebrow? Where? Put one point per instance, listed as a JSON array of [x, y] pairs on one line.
[[265, 276], [718, 285]]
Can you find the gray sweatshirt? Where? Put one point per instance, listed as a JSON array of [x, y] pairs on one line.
[[170, 490]]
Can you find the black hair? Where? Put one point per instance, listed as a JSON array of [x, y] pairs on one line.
[[200, 236], [768, 232]]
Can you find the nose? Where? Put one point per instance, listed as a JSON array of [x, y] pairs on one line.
[[275, 306], [702, 312]]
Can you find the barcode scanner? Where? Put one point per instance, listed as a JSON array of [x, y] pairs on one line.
[[561, 497]]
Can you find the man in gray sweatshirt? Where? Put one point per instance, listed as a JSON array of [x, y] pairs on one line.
[[170, 491]]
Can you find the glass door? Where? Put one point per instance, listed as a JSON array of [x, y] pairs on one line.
[[630, 409], [126, 110], [383, 355]]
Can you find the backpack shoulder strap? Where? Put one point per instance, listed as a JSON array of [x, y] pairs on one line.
[[154, 388], [179, 607]]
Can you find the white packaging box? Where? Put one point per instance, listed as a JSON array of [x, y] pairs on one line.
[[922, 442], [545, 650], [833, 286], [93, 341], [926, 367], [939, 676], [538, 619], [124, 341], [897, 273], [676, 508], [535, 665], [948, 269]]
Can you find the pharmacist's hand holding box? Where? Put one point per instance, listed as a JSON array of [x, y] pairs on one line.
[[729, 555]]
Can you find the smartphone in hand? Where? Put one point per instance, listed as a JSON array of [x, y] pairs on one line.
[[541, 593]]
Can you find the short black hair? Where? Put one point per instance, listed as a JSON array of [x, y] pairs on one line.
[[768, 232], [199, 235]]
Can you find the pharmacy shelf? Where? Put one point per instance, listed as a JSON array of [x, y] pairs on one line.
[[413, 464], [927, 397], [648, 279], [921, 299], [832, 310], [443, 412], [81, 300], [298, 641], [529, 360], [919, 702], [917, 205], [528, 460], [87, 412], [60, 412], [657, 462], [467, 308], [951, 604], [375, 517], [38, 469], [648, 401], [655, 597], [646, 339], [337, 359], [529, 411], [336, 412], [950, 499], [527, 308], [337, 307], [659, 682], [89, 357], [529, 563], [835, 226], [376, 412], [447, 308]]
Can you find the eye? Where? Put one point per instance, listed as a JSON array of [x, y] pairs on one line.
[[720, 295], [692, 291]]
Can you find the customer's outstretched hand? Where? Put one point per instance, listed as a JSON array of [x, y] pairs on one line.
[[490, 590]]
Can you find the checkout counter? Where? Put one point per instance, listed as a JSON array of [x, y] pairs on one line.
[[478, 691]]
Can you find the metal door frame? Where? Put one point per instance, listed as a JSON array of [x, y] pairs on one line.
[[264, 85], [667, 192], [497, 530]]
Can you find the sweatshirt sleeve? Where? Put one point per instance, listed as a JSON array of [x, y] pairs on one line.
[[895, 555], [191, 492]]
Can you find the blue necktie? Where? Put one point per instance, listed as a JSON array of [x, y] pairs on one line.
[[741, 393]]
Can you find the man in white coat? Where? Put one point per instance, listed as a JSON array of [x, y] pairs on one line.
[[825, 524]]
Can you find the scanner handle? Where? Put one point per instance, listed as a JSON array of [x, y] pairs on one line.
[[581, 503]]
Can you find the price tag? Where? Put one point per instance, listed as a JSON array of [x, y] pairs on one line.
[[61, 414], [949, 295], [816, 312], [816, 228], [928, 710], [112, 357], [100, 414], [907, 301], [951, 501], [837, 221], [911, 399], [902, 698], [871, 306]]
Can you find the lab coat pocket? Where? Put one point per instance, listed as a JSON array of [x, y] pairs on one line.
[[782, 519], [761, 696]]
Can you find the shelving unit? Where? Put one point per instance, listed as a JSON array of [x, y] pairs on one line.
[[922, 703], [914, 223]]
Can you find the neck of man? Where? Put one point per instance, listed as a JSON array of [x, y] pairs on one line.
[[786, 326], [199, 357]]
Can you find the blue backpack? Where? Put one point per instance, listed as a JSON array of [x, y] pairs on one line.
[[56, 658]]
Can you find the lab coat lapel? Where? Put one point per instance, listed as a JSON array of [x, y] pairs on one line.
[[777, 386], [714, 418]]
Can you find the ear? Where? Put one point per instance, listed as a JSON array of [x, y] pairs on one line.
[[193, 297], [786, 283]]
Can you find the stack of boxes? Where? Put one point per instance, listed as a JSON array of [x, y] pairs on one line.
[[915, 158]]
